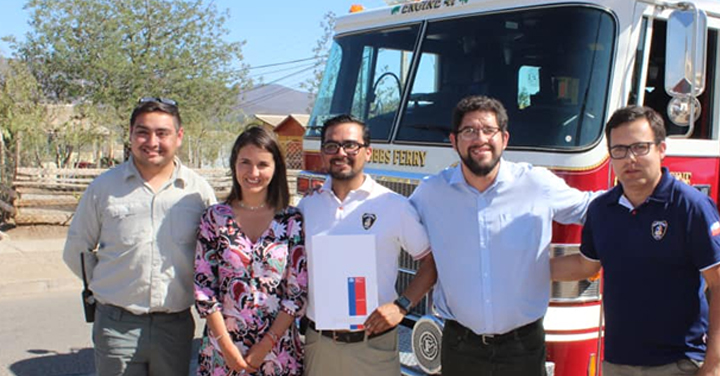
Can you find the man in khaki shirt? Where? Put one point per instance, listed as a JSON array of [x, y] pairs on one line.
[[139, 221]]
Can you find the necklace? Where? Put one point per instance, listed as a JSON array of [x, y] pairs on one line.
[[251, 208]]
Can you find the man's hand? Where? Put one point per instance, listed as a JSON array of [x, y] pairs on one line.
[[313, 190], [708, 369], [385, 317]]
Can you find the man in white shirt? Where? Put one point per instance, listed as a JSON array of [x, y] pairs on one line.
[[138, 222], [490, 224], [352, 203]]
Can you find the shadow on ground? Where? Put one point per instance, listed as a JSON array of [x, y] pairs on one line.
[[77, 363], [51, 363]]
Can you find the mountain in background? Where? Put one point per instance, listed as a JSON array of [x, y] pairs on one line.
[[274, 99]]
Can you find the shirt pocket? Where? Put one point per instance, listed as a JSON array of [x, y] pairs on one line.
[[127, 220], [184, 222]]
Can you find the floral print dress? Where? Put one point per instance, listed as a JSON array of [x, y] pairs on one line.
[[250, 283]]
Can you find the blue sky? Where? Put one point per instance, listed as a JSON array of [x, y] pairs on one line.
[[275, 31]]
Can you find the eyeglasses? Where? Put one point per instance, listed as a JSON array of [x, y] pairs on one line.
[[350, 147], [170, 102], [637, 149], [470, 133]]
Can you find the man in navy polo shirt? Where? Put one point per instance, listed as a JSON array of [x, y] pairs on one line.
[[658, 241]]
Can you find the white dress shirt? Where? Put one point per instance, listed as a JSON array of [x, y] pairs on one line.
[[396, 226], [491, 248]]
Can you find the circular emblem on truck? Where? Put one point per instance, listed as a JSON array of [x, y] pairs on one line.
[[429, 347], [426, 343]]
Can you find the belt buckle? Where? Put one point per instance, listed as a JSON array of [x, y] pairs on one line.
[[486, 337]]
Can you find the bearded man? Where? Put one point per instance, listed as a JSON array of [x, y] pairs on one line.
[[489, 221]]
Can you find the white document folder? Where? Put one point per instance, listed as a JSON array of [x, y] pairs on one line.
[[343, 280]]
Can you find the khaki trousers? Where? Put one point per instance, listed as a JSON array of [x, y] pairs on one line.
[[376, 356], [683, 367]]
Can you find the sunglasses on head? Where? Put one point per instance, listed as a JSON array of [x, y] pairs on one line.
[[170, 102]]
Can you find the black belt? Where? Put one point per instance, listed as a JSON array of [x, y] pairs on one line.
[[490, 339], [345, 336]]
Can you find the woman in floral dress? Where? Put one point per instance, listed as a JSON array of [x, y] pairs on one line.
[[250, 268]]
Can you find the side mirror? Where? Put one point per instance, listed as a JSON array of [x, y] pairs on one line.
[[685, 52]]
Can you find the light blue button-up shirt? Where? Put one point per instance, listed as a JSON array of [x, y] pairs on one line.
[[491, 248]]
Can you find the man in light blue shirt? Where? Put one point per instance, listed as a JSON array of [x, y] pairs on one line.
[[490, 225]]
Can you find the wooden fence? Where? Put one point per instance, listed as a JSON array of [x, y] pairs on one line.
[[50, 196]]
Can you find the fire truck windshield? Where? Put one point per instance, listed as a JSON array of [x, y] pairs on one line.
[[549, 66]]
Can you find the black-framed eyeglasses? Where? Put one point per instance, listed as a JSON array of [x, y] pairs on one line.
[[350, 147], [470, 133], [170, 102], [638, 149]]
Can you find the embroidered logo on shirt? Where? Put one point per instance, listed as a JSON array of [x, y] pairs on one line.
[[715, 229], [659, 228], [368, 220]]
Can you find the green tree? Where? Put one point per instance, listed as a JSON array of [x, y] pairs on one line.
[[320, 52], [105, 54], [21, 110]]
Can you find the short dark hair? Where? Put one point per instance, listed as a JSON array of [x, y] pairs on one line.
[[341, 119], [634, 112], [479, 103], [278, 193], [153, 106]]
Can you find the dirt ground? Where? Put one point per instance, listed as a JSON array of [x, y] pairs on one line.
[[35, 231]]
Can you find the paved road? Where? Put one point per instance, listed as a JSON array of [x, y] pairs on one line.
[[42, 329], [45, 335]]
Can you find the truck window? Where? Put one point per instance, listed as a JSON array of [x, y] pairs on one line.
[[560, 55], [365, 76], [655, 95]]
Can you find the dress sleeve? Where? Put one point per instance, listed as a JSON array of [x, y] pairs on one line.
[[206, 265], [295, 280]]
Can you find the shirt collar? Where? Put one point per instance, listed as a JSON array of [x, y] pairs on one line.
[[179, 175], [503, 176], [366, 187], [662, 192]]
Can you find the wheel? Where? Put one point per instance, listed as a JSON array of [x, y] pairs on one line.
[[426, 343]]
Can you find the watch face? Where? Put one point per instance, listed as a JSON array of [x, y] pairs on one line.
[[404, 303]]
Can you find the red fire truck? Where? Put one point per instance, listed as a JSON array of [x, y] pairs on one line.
[[561, 68]]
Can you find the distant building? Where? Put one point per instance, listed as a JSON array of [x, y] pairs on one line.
[[290, 130]]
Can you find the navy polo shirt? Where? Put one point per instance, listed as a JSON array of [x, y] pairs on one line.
[[655, 307]]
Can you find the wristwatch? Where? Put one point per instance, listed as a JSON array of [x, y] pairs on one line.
[[404, 303]]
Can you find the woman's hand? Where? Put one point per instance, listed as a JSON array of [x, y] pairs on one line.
[[233, 358], [256, 354]]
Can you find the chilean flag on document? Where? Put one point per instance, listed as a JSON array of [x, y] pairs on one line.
[[343, 280]]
